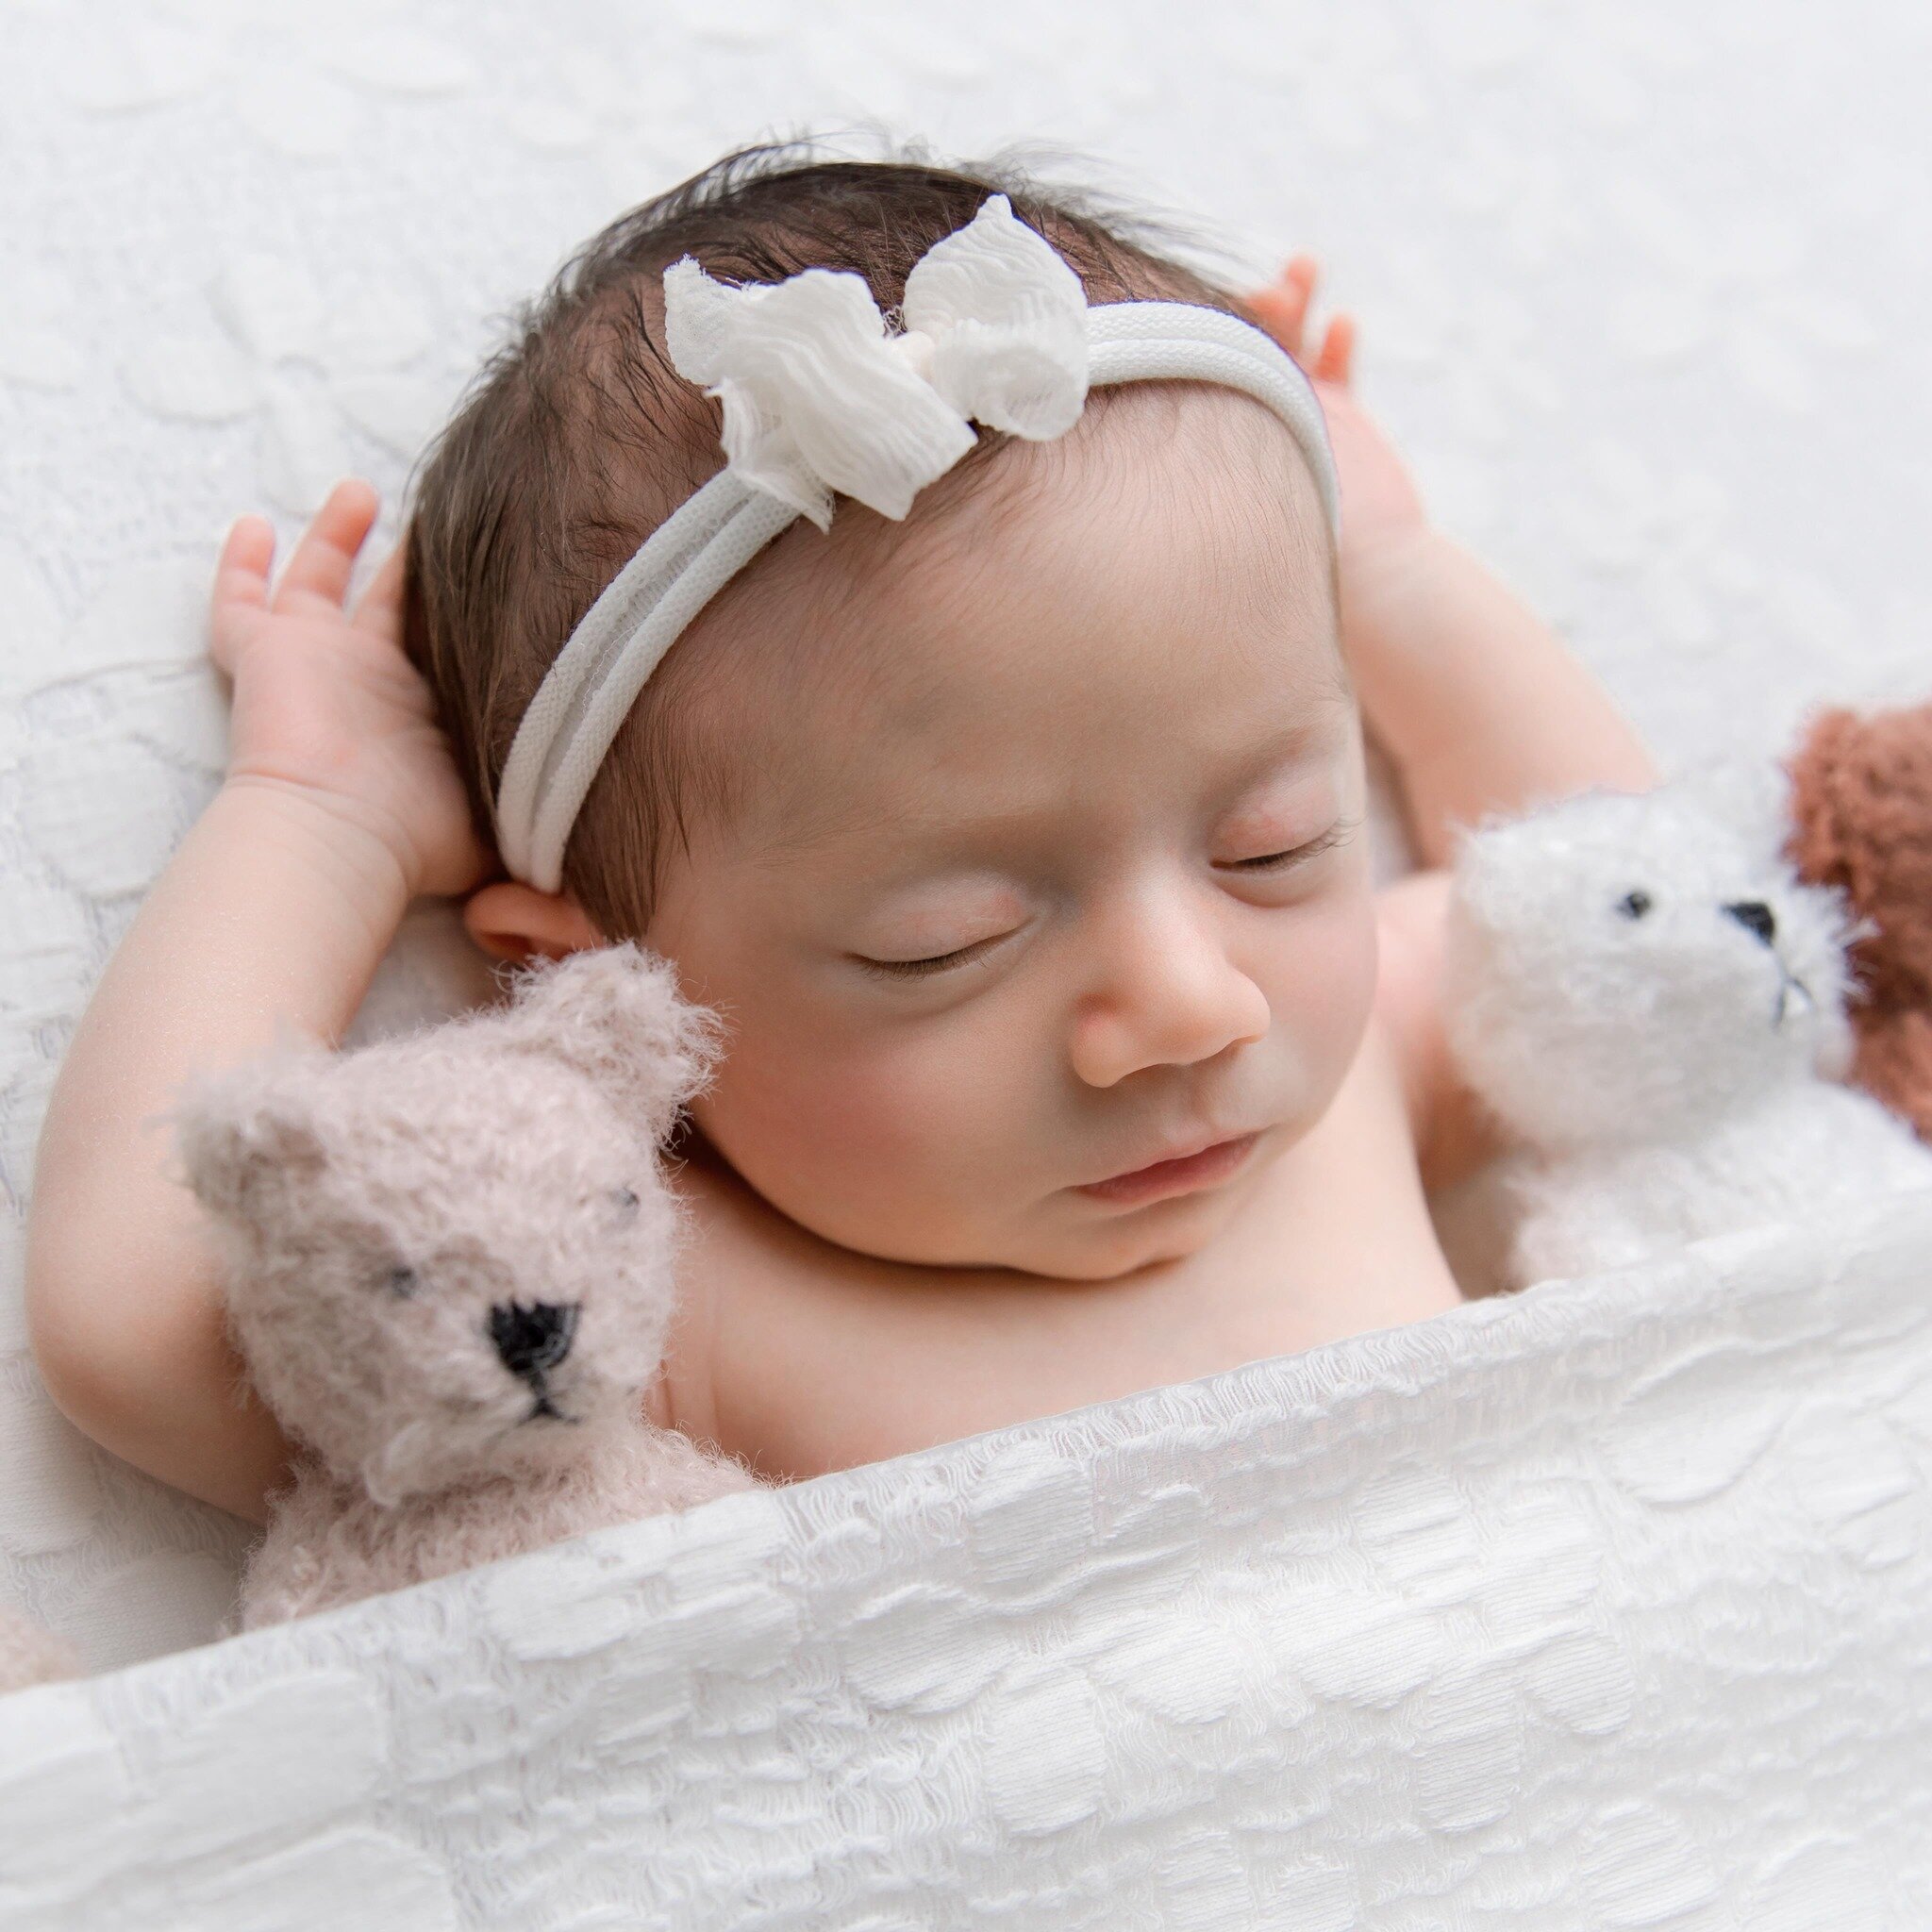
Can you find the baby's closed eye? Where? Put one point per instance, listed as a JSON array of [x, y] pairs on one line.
[[1286, 859], [918, 969], [1292, 855]]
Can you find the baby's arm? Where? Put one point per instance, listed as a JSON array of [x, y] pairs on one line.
[[1476, 701], [340, 803], [1479, 706]]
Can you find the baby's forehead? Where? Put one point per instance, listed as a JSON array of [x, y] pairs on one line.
[[1157, 584], [1151, 464]]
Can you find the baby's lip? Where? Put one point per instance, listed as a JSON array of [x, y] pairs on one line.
[[1184, 1148], [1199, 1164]]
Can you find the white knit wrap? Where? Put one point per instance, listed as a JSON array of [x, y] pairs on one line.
[[819, 400]]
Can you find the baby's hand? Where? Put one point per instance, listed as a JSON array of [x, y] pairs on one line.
[[327, 704], [1380, 507]]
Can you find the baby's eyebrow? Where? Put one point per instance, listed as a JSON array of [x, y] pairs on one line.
[[1311, 735]]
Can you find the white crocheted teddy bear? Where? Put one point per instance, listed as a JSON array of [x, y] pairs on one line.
[[451, 1275], [1654, 1009]]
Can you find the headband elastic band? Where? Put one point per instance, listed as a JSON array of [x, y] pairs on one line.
[[571, 722]]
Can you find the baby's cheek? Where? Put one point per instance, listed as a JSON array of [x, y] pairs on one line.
[[860, 1120], [1323, 996], [917, 1115]]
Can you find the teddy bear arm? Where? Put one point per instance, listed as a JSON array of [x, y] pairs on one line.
[[323, 1547], [1578, 1223], [674, 1472]]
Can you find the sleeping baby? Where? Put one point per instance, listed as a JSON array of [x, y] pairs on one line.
[[982, 742]]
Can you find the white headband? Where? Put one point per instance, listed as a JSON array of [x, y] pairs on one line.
[[819, 399]]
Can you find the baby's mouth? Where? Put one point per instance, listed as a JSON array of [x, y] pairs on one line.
[[1207, 1167]]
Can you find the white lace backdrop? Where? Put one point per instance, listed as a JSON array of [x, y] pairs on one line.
[[1642, 292]]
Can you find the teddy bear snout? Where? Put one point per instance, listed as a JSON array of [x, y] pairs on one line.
[[1756, 917], [533, 1338]]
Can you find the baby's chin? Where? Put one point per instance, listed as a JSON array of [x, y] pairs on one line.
[[1116, 1244]]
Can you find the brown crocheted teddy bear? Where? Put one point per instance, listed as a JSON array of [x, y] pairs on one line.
[[1862, 821], [451, 1275]]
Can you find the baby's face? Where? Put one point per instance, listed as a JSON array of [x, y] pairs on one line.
[[1056, 864]]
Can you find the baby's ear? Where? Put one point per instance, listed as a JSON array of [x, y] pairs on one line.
[[244, 1133], [615, 1013]]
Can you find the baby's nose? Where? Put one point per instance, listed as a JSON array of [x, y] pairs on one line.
[[533, 1340], [1754, 916]]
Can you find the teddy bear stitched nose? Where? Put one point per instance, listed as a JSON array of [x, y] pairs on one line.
[[1754, 916], [532, 1339]]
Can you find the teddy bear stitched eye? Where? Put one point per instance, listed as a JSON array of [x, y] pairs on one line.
[[401, 1282], [626, 1200], [1634, 904]]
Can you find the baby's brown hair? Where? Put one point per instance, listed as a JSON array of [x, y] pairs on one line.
[[578, 437]]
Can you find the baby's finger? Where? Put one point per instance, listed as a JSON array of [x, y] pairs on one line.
[[1336, 361], [241, 587], [381, 608], [317, 578], [1283, 308]]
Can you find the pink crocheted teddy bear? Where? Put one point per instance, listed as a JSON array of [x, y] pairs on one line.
[[451, 1276]]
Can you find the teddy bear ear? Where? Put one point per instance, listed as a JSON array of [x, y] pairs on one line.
[[247, 1131], [1494, 865], [1749, 797], [616, 1014]]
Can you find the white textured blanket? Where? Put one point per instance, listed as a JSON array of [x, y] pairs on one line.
[[1603, 1608]]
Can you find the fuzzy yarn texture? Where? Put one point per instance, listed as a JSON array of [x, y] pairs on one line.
[[452, 1275], [330, 1542], [1652, 1005], [30, 1654], [1861, 822]]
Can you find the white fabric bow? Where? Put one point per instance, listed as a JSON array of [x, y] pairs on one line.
[[819, 398]]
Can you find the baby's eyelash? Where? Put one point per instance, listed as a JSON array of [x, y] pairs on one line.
[[918, 969], [1269, 863], [1299, 855]]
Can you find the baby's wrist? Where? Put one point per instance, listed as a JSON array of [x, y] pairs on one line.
[[1399, 572], [371, 865]]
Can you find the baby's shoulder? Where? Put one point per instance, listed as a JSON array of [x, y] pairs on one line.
[[718, 1233], [763, 1304]]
